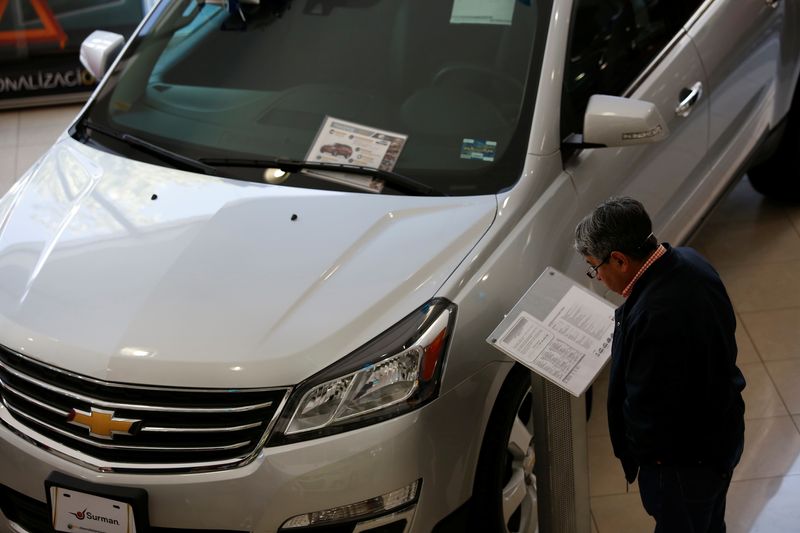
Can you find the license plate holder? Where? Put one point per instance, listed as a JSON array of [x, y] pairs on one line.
[[78, 506]]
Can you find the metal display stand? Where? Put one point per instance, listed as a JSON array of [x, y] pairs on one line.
[[560, 443], [562, 466]]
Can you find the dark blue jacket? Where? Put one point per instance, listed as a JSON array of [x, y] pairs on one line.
[[675, 391]]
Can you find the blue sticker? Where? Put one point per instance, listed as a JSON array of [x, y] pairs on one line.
[[478, 149]]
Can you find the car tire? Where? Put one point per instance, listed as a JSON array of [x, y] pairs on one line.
[[504, 498], [778, 177]]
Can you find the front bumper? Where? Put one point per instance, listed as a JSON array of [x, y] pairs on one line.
[[433, 444]]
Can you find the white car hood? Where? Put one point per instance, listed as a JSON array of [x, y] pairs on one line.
[[130, 272]]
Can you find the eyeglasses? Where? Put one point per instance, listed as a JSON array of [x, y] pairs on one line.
[[592, 272]]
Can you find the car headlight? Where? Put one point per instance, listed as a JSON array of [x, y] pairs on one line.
[[395, 373]]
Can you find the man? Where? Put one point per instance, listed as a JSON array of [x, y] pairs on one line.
[[675, 410]]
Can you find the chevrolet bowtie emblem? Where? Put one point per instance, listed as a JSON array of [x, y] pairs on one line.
[[102, 423]]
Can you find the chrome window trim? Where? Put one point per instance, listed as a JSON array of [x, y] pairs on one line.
[[652, 65], [684, 32], [655, 62], [699, 12]]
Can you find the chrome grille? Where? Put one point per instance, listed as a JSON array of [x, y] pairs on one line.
[[154, 428]]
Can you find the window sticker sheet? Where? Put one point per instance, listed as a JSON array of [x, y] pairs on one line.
[[482, 12]]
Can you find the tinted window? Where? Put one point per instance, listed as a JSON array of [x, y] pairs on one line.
[[611, 42], [203, 83]]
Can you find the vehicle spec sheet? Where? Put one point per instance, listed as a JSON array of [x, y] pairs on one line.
[[570, 345], [339, 141]]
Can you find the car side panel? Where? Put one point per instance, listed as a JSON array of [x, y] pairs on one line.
[[740, 47], [662, 174]]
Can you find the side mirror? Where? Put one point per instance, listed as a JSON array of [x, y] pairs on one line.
[[99, 50], [615, 121]]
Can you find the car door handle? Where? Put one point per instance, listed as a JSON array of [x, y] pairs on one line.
[[773, 3], [689, 98]]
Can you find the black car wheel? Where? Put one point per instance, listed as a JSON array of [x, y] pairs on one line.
[[504, 495]]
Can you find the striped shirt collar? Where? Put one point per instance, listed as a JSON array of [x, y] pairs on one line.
[[661, 250]]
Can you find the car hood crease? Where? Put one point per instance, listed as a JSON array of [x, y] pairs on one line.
[[135, 273]]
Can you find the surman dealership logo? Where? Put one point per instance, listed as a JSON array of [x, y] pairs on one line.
[[102, 423], [88, 515]]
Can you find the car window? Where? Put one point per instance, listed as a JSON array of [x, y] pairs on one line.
[[611, 43], [451, 85]]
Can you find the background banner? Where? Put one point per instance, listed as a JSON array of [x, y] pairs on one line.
[[40, 42]]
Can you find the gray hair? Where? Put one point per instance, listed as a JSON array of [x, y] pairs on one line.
[[618, 224]]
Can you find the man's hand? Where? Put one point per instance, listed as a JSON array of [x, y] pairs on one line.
[[630, 467]]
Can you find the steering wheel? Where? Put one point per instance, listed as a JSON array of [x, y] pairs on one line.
[[499, 87]]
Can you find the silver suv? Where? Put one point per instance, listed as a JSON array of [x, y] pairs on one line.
[[203, 326]]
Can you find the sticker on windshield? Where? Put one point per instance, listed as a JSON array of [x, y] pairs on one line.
[[478, 149], [482, 12], [339, 141]]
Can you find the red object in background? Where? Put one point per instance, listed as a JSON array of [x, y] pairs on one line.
[[50, 33]]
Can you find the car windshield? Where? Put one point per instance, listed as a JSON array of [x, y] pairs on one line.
[[438, 91]]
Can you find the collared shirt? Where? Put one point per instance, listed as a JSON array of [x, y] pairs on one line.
[[650, 260]]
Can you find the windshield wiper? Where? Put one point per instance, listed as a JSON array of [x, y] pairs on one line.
[[397, 181], [177, 160], [209, 166]]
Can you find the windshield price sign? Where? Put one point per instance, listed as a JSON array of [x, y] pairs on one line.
[[339, 141]]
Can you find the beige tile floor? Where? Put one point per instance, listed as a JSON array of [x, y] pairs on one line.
[[755, 244]]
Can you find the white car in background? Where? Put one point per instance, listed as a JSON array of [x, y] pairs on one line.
[[211, 330]]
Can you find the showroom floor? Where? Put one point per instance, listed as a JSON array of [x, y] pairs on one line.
[[755, 244]]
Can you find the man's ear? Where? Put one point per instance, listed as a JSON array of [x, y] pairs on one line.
[[620, 261]]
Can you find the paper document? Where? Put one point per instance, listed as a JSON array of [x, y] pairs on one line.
[[570, 346], [482, 12], [339, 141]]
